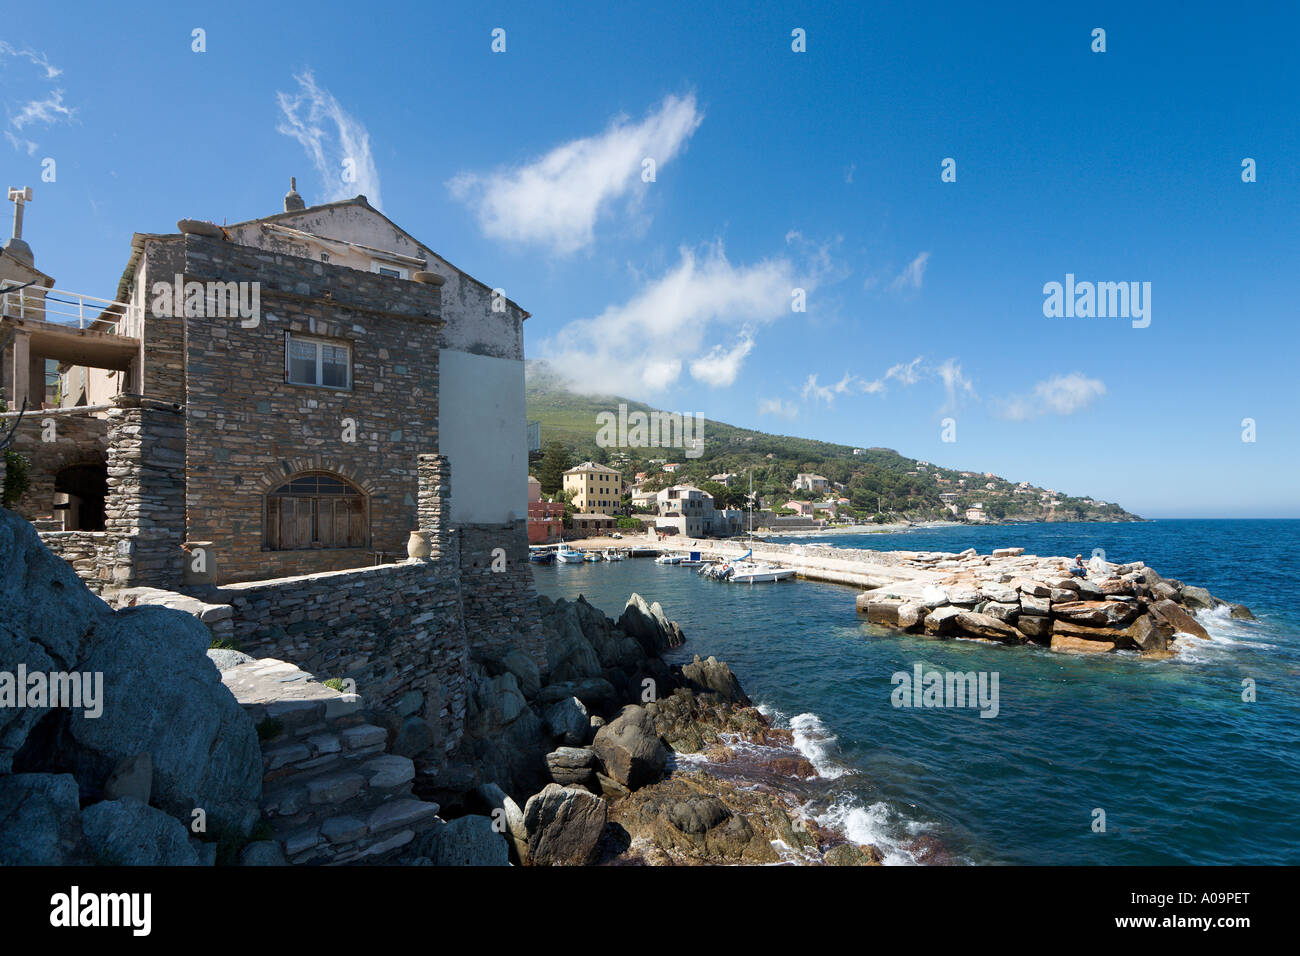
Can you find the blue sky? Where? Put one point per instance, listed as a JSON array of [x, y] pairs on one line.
[[774, 170]]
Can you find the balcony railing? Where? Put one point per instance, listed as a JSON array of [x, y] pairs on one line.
[[61, 307]]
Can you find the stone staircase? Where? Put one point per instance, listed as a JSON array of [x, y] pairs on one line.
[[330, 789]]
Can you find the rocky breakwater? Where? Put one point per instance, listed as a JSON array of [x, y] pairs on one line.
[[1013, 598], [118, 742], [610, 756]]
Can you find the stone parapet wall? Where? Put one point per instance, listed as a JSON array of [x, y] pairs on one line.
[[396, 630], [497, 591]]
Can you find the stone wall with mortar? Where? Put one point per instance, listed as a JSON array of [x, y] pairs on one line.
[[80, 438], [249, 429], [497, 590]]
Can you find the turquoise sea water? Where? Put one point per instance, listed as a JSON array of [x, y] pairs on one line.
[[1185, 771]]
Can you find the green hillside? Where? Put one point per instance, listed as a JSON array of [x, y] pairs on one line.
[[877, 481]]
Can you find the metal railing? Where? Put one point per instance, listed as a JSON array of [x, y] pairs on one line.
[[61, 307]]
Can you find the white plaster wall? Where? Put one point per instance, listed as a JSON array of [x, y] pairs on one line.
[[482, 432]]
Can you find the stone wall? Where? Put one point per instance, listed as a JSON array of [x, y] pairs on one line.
[[497, 590], [395, 629], [80, 438], [92, 555], [249, 430]]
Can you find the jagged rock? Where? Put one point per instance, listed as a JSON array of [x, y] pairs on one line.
[[525, 670], [1066, 582], [911, 615], [988, 627], [1198, 598], [225, 658], [1116, 636], [569, 655], [630, 749], [262, 853], [1144, 633], [572, 765], [1178, 619], [1088, 591], [1008, 552], [965, 597], [505, 812], [714, 675], [648, 625], [1063, 596], [1078, 645], [1037, 628], [933, 597], [564, 826], [465, 841], [1095, 613], [1164, 591], [133, 777], [698, 814], [127, 832], [879, 611], [40, 819], [1032, 589], [942, 620], [1007, 613], [1002, 595], [846, 854], [1241, 613], [568, 720], [1034, 606]]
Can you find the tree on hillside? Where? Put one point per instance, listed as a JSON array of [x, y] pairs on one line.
[[555, 463]]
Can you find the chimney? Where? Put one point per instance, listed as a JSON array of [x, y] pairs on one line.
[[15, 246], [292, 201]]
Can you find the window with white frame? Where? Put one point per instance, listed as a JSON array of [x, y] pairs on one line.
[[389, 269], [310, 361]]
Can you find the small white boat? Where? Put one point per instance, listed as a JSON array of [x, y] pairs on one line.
[[669, 559], [746, 572], [568, 556], [612, 555], [590, 556]]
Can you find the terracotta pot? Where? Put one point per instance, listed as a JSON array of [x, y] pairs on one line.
[[418, 546]]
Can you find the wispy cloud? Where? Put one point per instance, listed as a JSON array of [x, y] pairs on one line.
[[956, 386], [1058, 395], [779, 408], [912, 276], [46, 112], [671, 324], [21, 144], [556, 199], [39, 59], [337, 143], [904, 373]]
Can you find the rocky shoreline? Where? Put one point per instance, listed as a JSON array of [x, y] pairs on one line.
[[613, 759], [1012, 598]]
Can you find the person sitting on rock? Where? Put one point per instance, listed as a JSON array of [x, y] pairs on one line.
[[1078, 570]]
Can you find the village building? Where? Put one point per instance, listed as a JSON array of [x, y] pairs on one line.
[[805, 481], [545, 518], [687, 510], [255, 400], [595, 488]]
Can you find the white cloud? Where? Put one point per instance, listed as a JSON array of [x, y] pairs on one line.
[[1058, 395], [21, 144], [721, 366], [556, 199], [904, 373], [642, 345], [912, 276], [47, 111], [337, 144], [956, 386], [775, 406], [39, 59]]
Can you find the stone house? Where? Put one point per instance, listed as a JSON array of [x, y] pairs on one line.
[[253, 402]]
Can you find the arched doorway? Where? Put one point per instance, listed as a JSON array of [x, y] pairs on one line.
[[316, 510], [79, 494]]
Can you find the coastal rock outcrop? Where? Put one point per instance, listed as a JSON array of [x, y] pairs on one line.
[[139, 675], [1016, 598], [630, 749], [564, 826]]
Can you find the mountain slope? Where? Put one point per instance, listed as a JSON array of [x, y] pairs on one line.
[[874, 479]]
